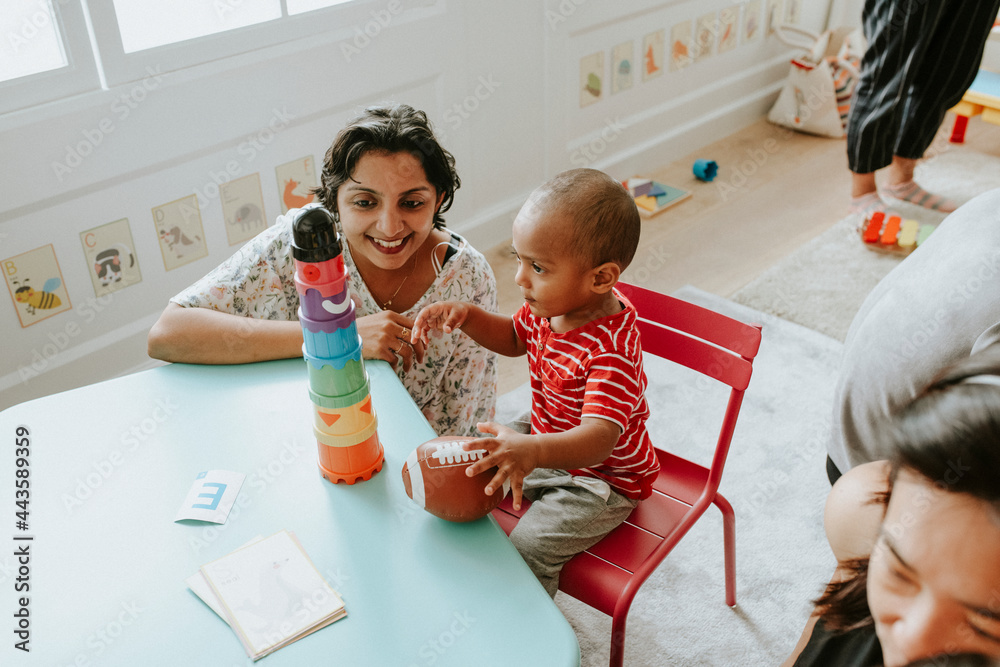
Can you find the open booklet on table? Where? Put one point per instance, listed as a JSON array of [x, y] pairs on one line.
[[269, 592]]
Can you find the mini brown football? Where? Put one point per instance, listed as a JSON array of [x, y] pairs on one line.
[[434, 477]]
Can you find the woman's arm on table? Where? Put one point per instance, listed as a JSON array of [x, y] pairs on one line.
[[205, 336]]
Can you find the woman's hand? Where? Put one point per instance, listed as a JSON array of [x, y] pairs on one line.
[[386, 336]]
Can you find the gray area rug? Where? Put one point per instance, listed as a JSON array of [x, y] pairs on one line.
[[775, 478], [822, 284]]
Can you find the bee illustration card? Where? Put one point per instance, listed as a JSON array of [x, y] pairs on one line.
[[242, 208], [652, 55], [681, 47], [36, 285], [622, 64], [110, 256], [295, 180], [591, 78], [178, 226]]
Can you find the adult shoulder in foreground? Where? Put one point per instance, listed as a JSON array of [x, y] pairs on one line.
[[936, 307]]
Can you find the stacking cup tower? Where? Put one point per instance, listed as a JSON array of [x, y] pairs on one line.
[[344, 420]]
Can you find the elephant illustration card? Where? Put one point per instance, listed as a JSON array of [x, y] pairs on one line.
[[295, 180], [179, 229], [242, 208], [36, 286], [110, 256]]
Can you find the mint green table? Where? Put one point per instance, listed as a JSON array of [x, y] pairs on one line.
[[110, 465]]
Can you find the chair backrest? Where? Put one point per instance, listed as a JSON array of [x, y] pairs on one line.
[[698, 338], [704, 341]]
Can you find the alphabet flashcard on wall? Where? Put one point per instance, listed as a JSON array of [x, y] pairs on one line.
[[621, 67], [182, 237], [36, 286], [728, 32], [591, 78], [751, 21], [652, 55], [110, 256], [242, 208], [295, 180], [773, 15], [793, 11], [704, 38], [680, 46]]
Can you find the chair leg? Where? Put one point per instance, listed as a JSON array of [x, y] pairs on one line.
[[618, 640], [729, 544]]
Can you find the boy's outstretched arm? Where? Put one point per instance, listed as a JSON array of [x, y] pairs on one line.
[[516, 455], [491, 330]]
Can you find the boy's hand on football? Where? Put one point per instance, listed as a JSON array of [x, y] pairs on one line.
[[514, 455], [445, 316]]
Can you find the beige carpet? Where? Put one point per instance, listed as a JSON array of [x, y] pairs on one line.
[[822, 284]]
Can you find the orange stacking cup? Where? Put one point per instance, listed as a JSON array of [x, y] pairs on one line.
[[352, 457]]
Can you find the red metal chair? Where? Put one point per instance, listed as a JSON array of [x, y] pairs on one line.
[[608, 575]]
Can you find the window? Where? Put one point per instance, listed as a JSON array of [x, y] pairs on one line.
[[45, 53], [32, 42], [51, 49], [303, 6], [135, 37], [144, 24]]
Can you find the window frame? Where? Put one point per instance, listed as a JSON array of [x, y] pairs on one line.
[[334, 23], [97, 61]]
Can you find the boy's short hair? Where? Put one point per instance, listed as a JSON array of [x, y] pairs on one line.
[[606, 223]]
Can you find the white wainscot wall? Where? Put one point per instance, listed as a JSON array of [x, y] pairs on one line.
[[500, 81]]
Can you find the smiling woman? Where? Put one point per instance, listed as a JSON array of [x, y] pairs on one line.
[[917, 538], [387, 181]]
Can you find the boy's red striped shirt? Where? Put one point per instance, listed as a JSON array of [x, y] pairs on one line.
[[593, 371]]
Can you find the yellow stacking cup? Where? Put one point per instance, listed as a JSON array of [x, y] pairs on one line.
[[344, 421]]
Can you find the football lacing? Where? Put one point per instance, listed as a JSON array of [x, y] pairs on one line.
[[451, 452]]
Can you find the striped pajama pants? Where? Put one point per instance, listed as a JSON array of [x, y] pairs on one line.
[[922, 56]]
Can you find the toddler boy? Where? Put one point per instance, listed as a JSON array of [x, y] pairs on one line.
[[588, 459]]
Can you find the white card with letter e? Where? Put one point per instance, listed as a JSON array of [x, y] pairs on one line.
[[211, 496]]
